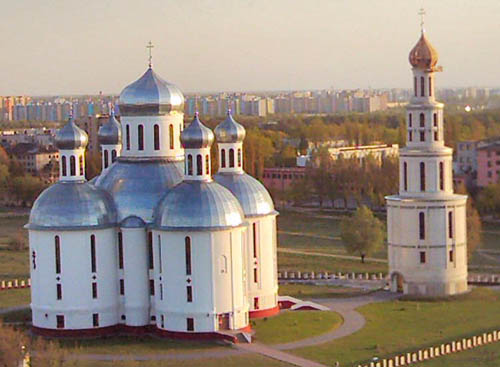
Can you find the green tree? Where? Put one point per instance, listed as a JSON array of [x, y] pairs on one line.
[[363, 233], [26, 188], [474, 225]]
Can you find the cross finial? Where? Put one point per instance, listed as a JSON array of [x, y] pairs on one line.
[[421, 12], [150, 47]]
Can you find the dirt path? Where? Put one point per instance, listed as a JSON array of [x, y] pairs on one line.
[[338, 256]]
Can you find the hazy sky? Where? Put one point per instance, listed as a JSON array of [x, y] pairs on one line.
[[77, 46]]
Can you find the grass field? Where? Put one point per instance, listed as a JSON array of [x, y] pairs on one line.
[[400, 326], [295, 325], [484, 356], [14, 297], [304, 291]]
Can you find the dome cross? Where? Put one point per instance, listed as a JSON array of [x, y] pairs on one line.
[[421, 12], [150, 47]]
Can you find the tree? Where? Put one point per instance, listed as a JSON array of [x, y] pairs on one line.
[[363, 233], [93, 165], [26, 188], [474, 225]]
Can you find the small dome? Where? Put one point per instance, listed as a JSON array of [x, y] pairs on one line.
[[72, 205], [71, 136], [229, 131], [252, 195], [150, 95], [197, 135], [423, 55], [198, 205], [110, 133], [132, 221]]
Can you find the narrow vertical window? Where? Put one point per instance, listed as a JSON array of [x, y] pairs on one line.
[[150, 250], [162, 322], [95, 320], [415, 85], [160, 261], [156, 137], [410, 120], [422, 86], [207, 165], [81, 165], [171, 136], [421, 225], [92, 254], [405, 176], [94, 290], [72, 165], [422, 176], [120, 250], [60, 321], [187, 250], [451, 256], [199, 165], [189, 290], [140, 137], [256, 303], [127, 136], [435, 136], [151, 287], [106, 158], [255, 275], [64, 170], [190, 324], [422, 257], [122, 287], [223, 158], [239, 157], [435, 119], [113, 156], [422, 120], [57, 254], [161, 292], [410, 135], [441, 176], [254, 234], [190, 165], [231, 158], [422, 136], [430, 87], [59, 291], [450, 224]]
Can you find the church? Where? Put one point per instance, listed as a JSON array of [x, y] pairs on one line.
[[157, 242]]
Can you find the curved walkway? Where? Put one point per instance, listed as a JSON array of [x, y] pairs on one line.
[[345, 257]]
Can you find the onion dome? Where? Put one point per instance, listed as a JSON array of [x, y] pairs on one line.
[[423, 56], [72, 205], [198, 205], [150, 95], [132, 221], [197, 135], [229, 131], [251, 194], [110, 133], [71, 136]]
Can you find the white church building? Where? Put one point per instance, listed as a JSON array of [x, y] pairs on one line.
[[426, 222], [156, 243]]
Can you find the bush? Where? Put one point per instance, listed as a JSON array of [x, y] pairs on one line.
[[18, 242]]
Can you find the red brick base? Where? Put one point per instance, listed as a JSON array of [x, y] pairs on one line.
[[258, 314]]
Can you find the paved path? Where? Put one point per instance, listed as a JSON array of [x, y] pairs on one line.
[[346, 257], [302, 234], [276, 354]]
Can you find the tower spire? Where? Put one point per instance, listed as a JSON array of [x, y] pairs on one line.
[[150, 58], [421, 12]]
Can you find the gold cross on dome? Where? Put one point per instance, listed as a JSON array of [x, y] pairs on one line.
[[150, 47], [422, 15]]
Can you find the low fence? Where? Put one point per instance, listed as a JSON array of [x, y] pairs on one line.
[[436, 351], [14, 284], [298, 275]]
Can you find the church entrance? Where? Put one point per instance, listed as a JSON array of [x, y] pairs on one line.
[[224, 321], [397, 282]]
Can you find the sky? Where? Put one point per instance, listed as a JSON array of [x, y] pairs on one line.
[[83, 47]]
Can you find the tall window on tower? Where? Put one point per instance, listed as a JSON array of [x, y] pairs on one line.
[[430, 87], [190, 165], [199, 165], [72, 165], [120, 250], [140, 137], [410, 119], [150, 249], [64, 171], [450, 224], [57, 248], [81, 165], [187, 250], [127, 136], [93, 263], [106, 158], [441, 176], [171, 136], [239, 157], [405, 176], [156, 133], [223, 158], [435, 119], [415, 85], [422, 120], [113, 156], [422, 86], [231, 158], [421, 225], [207, 165], [422, 176], [254, 235]]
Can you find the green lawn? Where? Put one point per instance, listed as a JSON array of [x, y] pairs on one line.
[[400, 326], [291, 326], [14, 297], [302, 291], [10, 225], [14, 265], [484, 356]]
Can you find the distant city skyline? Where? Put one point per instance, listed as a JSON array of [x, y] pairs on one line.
[[79, 47]]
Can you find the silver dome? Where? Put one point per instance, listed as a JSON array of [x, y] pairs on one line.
[[150, 95], [138, 185], [197, 135], [71, 136], [229, 131], [111, 132], [252, 195], [198, 205], [132, 222], [72, 205]]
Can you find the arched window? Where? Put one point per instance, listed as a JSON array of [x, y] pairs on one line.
[[430, 87], [113, 156], [93, 264], [223, 158], [410, 135], [254, 235], [422, 176], [441, 176], [231, 157], [435, 136], [140, 137], [106, 158], [190, 165], [187, 250], [435, 119], [450, 224], [72, 165], [239, 157], [199, 165], [57, 249], [421, 225], [127, 136], [405, 175], [156, 138], [422, 136], [81, 165], [120, 250], [171, 135], [410, 119], [415, 85], [422, 120], [422, 86], [207, 165], [64, 171]]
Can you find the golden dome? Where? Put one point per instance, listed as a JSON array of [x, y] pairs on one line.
[[423, 55]]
